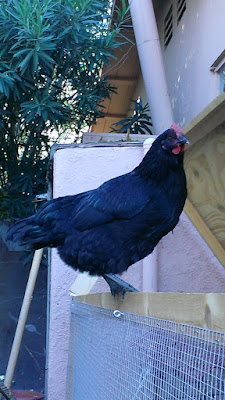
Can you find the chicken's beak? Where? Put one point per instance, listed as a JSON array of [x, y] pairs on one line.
[[182, 140]]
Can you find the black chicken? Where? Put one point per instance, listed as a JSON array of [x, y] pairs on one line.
[[104, 231]]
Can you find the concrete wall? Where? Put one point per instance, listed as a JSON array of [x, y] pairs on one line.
[[76, 170], [185, 262], [197, 41]]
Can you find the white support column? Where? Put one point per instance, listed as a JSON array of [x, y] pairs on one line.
[[152, 66], [151, 60], [150, 267]]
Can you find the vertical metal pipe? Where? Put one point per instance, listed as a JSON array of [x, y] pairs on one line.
[[152, 66], [150, 267]]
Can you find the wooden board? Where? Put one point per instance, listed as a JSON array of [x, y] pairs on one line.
[[208, 119], [205, 231], [198, 309], [205, 169]]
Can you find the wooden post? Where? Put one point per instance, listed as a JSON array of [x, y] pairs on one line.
[[23, 317]]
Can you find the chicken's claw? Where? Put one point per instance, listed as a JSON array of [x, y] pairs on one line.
[[118, 286]]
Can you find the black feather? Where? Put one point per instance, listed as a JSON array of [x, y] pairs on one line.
[[107, 229]]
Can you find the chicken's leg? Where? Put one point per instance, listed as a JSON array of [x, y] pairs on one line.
[[117, 285]]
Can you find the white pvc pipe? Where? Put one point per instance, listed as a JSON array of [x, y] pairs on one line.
[[149, 272], [152, 66], [151, 60], [149, 269]]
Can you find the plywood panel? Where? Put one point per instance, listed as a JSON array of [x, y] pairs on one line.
[[205, 231], [205, 168]]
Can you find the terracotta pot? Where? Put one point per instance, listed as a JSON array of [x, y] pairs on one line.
[[27, 395]]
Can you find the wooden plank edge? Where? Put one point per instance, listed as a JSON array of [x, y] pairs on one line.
[[204, 310], [204, 231], [207, 120]]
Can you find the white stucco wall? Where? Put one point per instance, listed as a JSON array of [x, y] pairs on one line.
[[77, 170], [197, 41], [185, 263]]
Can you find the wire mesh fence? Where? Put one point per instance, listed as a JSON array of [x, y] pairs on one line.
[[124, 356]]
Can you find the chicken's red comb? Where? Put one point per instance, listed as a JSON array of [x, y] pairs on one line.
[[177, 129]]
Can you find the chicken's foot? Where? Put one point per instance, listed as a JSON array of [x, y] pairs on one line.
[[117, 285]]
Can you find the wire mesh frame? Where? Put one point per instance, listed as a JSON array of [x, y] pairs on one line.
[[126, 356]]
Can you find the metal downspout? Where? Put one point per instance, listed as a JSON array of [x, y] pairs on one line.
[[152, 66]]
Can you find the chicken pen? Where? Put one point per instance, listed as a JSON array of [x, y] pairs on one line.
[[171, 346]]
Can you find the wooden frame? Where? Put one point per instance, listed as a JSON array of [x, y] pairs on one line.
[[206, 310], [204, 231], [210, 119]]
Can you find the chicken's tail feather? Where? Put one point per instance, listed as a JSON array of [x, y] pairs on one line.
[[29, 233]]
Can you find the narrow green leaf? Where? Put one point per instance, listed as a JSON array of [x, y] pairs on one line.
[[24, 64]]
